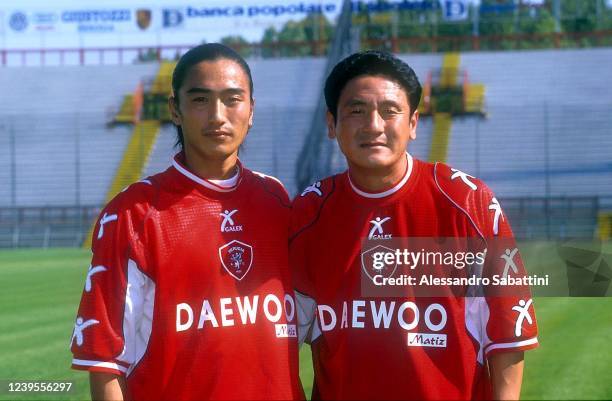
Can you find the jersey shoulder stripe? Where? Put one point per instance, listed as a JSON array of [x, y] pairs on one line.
[[308, 204], [130, 207], [273, 186], [467, 193], [138, 193], [262, 175]]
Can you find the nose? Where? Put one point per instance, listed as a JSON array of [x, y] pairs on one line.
[[216, 113], [374, 123]]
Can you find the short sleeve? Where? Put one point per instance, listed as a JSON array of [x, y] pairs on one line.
[[115, 312], [300, 269], [509, 319]]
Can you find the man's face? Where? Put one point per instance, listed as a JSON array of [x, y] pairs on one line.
[[214, 110], [374, 123]]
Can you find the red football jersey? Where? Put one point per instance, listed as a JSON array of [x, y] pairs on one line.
[[403, 347], [188, 294]]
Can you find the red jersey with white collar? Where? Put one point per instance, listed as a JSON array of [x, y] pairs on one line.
[[373, 347], [188, 294]]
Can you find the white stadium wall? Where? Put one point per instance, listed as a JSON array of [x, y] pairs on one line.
[[535, 100]]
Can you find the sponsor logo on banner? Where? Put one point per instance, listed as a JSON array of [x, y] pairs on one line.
[[454, 10], [97, 21], [143, 18], [264, 10], [79, 16], [502, 7], [172, 18], [236, 258], [18, 21], [45, 21], [45, 18]]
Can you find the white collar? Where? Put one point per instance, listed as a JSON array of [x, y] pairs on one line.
[[216, 185], [390, 191], [230, 182]]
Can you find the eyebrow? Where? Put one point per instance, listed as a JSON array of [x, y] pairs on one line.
[[198, 90], [355, 102], [360, 102], [390, 103]]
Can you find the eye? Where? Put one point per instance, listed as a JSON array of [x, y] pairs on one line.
[[200, 99], [389, 111], [356, 110]]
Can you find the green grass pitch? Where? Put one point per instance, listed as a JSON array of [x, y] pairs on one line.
[[40, 291]]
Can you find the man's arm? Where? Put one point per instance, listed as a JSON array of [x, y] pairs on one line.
[[507, 375], [107, 387]]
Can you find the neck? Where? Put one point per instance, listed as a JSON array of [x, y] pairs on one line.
[[211, 169], [378, 180]]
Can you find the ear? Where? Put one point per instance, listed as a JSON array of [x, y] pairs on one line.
[[414, 122], [251, 113], [175, 113], [331, 126]]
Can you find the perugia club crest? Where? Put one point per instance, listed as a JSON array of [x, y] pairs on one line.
[[237, 258]]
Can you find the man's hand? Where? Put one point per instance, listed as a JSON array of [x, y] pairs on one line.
[[107, 387], [507, 375]]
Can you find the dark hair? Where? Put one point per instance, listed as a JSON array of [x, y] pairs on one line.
[[205, 52], [371, 62]]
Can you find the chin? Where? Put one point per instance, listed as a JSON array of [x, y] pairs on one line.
[[218, 152], [371, 162], [382, 158]]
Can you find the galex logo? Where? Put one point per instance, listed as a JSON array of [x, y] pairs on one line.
[[377, 231], [228, 225]]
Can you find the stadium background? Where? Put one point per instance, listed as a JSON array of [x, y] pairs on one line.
[[515, 93]]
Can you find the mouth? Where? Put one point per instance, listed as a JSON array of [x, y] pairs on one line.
[[372, 145], [217, 134]]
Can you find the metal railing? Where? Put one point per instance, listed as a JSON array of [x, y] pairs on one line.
[[532, 218], [45, 227], [310, 48]]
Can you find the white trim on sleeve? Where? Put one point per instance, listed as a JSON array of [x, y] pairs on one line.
[[517, 344], [306, 309], [476, 317], [99, 364], [138, 315]]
